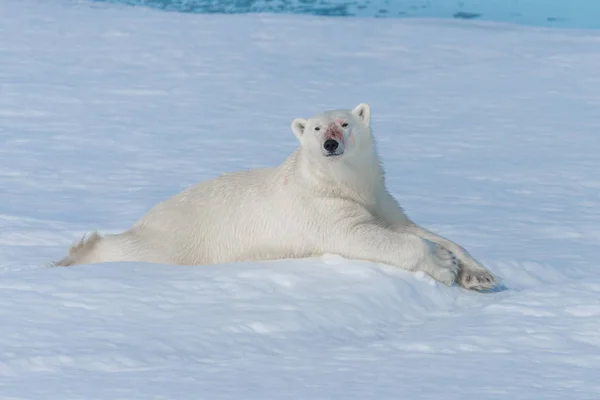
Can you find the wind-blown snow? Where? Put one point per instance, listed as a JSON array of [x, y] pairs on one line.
[[488, 134]]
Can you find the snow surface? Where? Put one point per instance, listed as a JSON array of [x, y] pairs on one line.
[[488, 133]]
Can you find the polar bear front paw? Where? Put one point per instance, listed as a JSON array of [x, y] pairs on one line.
[[442, 264], [478, 279]]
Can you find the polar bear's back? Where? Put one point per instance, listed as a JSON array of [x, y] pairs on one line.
[[218, 199], [198, 224]]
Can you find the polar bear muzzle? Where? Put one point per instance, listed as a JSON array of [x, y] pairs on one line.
[[333, 142], [332, 148], [331, 145]]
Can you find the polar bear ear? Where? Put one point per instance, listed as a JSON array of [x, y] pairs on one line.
[[363, 111], [298, 127]]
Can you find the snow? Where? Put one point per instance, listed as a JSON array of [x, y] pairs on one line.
[[488, 135]]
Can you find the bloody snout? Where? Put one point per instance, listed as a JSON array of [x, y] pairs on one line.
[[333, 132]]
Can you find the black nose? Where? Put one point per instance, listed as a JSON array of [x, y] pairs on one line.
[[330, 145]]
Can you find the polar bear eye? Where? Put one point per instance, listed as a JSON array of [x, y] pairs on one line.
[[317, 128], [344, 125]]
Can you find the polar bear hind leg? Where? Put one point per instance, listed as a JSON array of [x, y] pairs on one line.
[[80, 250], [126, 246]]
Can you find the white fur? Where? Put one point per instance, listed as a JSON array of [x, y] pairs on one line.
[[310, 205]]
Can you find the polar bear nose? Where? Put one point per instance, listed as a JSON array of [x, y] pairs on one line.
[[330, 145]]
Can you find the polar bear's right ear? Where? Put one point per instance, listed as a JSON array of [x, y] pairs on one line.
[[298, 127], [363, 111]]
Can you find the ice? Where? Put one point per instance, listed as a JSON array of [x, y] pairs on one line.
[[550, 13]]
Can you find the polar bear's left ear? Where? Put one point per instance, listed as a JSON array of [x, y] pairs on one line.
[[298, 127], [363, 111]]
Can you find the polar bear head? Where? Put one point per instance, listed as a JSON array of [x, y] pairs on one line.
[[337, 134]]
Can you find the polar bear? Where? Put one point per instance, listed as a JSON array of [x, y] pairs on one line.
[[328, 196]]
